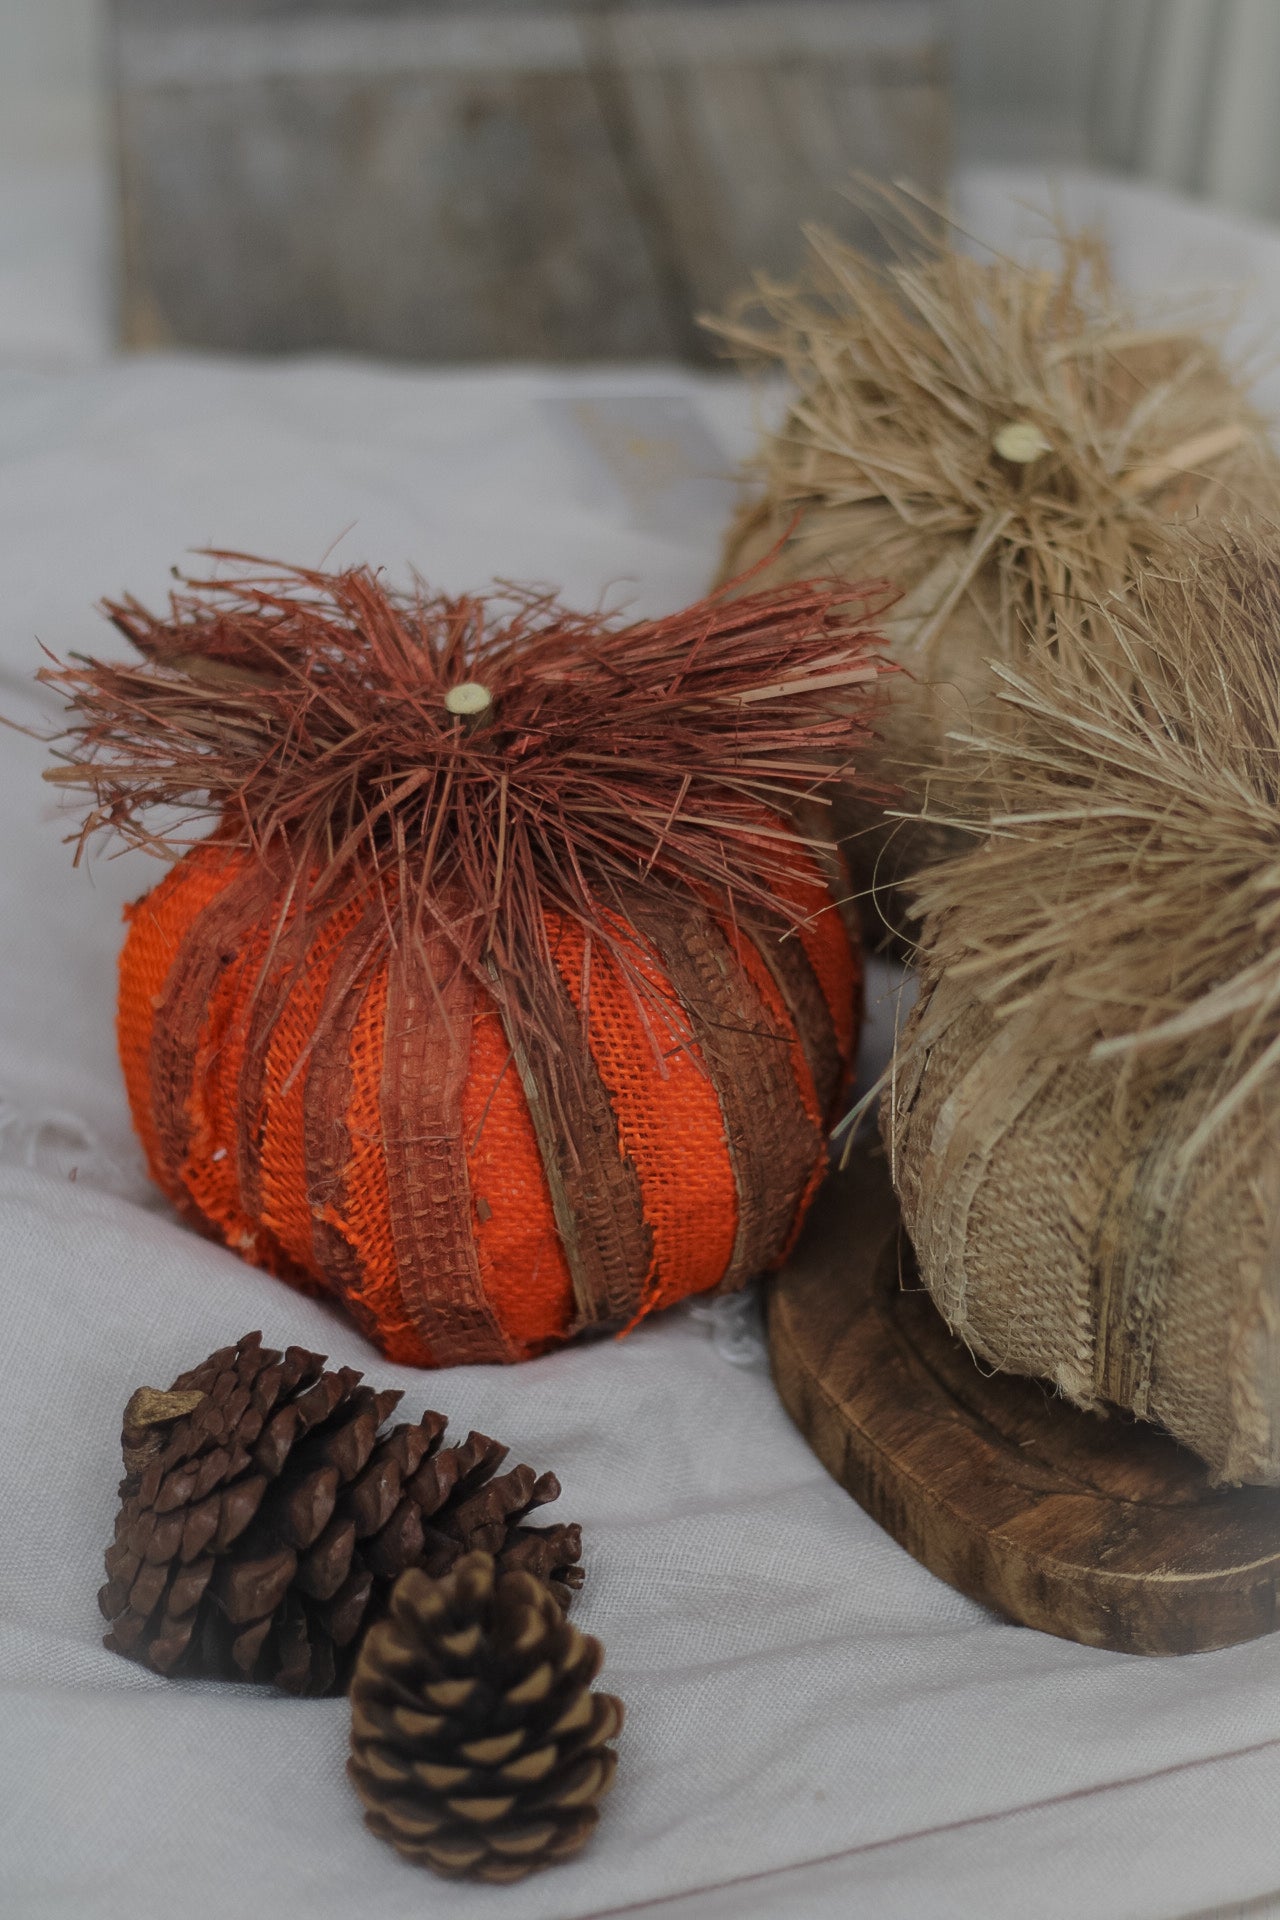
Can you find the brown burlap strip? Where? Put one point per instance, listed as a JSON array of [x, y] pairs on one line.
[[212, 941], [251, 1091], [782, 951], [773, 1144], [594, 1186], [427, 1055], [326, 1106]]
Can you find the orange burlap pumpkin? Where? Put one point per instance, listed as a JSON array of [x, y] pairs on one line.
[[366, 1133], [504, 1001]]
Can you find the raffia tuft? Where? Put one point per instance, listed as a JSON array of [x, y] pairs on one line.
[[306, 719], [907, 376]]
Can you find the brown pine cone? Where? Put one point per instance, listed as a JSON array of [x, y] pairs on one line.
[[477, 1743], [263, 1520]]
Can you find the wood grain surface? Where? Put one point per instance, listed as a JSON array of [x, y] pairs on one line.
[[1094, 1527], [512, 179]]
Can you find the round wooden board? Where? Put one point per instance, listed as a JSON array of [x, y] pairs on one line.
[[1100, 1529]]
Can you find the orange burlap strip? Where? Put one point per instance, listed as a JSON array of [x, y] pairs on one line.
[[522, 1260], [157, 924], [273, 1105]]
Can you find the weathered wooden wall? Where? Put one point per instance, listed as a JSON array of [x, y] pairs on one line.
[[502, 180]]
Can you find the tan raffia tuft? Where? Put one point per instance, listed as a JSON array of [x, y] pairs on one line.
[[1086, 1101], [1003, 440]]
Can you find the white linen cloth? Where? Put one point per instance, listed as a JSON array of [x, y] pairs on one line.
[[816, 1726]]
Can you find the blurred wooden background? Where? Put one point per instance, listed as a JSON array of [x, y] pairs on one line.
[[434, 180]]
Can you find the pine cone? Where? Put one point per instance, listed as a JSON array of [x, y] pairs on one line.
[[477, 1743], [263, 1521]]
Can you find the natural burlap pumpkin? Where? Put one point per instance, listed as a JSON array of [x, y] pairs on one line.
[[998, 439], [499, 1002], [1084, 1114]]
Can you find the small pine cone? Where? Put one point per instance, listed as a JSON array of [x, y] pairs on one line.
[[264, 1519], [477, 1742]]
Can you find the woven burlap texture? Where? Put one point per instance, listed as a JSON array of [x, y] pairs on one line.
[[372, 1129], [1024, 1182]]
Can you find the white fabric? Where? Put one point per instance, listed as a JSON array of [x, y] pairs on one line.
[[816, 1726]]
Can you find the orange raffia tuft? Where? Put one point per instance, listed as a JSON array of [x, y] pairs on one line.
[[307, 717]]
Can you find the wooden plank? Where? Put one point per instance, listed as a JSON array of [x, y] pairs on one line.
[[745, 123], [1097, 1529], [420, 190], [516, 180]]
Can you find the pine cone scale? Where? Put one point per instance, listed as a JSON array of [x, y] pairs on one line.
[[199, 1529], [251, 1589], [399, 1543], [273, 1449], [344, 1617], [246, 1647], [166, 1542], [326, 1565], [374, 1496], [309, 1507], [188, 1588], [439, 1778], [348, 1450], [237, 1509], [176, 1490], [148, 1586]]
